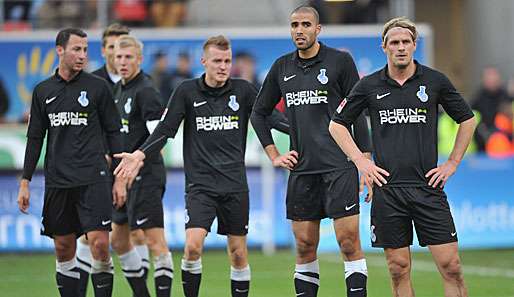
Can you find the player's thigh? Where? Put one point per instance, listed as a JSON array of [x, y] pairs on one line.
[[347, 228], [341, 188], [306, 233], [432, 217], [304, 201], [445, 255], [95, 207], [120, 238], [391, 222], [200, 210], [144, 207], [156, 240], [60, 215], [398, 260], [233, 212]]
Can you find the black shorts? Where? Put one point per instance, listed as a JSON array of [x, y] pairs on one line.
[[395, 208], [231, 209], [77, 210], [312, 197], [144, 207]]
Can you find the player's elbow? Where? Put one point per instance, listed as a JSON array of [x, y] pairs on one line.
[[335, 129]]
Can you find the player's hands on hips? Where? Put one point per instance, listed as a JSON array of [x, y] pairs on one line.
[[287, 160], [371, 172], [130, 164], [24, 196], [441, 173], [119, 191]]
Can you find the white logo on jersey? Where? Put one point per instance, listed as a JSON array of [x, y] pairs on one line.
[[322, 76], [67, 118], [306, 97], [197, 104], [403, 116], [422, 94], [382, 96], [128, 107], [83, 99], [48, 101], [286, 78], [232, 103], [341, 105], [142, 221], [217, 123]]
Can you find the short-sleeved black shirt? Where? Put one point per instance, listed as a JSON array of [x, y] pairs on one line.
[[215, 131], [138, 102], [312, 90], [75, 115], [404, 120]]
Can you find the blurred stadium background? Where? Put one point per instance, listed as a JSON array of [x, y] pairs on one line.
[[468, 40]]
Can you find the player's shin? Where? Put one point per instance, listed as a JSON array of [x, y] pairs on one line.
[[67, 277], [191, 277], [134, 272], [306, 279], [163, 274], [102, 277], [84, 266], [356, 275], [240, 281]]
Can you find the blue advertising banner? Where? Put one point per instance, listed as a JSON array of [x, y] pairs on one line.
[[31, 58]]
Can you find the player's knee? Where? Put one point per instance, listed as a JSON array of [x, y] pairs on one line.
[[398, 268], [192, 251], [348, 246], [120, 245], [156, 245], [452, 270], [305, 247], [100, 246], [137, 237], [64, 250], [238, 256]]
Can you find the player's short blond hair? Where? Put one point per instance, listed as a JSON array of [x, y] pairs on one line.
[[400, 22], [129, 41], [220, 42]]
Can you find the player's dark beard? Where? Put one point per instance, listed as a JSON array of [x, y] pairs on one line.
[[307, 47]]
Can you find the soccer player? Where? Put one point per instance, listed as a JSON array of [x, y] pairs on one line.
[[109, 37], [216, 110], [139, 104], [403, 100], [75, 109], [323, 183]]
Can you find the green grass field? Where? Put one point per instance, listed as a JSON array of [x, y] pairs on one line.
[[488, 274]]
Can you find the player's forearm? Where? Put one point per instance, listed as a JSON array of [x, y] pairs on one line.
[[272, 151], [261, 128], [345, 141], [32, 153], [462, 140], [155, 142]]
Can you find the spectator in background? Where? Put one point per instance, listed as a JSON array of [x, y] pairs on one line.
[[182, 70], [133, 13], [161, 76], [4, 102], [168, 13], [16, 14], [500, 143], [486, 102], [244, 67], [60, 13]]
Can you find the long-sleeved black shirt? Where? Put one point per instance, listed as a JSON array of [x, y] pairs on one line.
[[404, 120], [312, 90], [74, 115], [215, 130], [139, 102]]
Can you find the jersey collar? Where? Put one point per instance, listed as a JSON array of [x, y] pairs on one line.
[[305, 63], [385, 76], [133, 81], [60, 79], [215, 92]]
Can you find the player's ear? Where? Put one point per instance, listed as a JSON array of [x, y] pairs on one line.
[[318, 29], [203, 60], [60, 50]]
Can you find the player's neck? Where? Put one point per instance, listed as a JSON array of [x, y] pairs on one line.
[[309, 52], [125, 81], [110, 69], [399, 74], [212, 83], [66, 74]]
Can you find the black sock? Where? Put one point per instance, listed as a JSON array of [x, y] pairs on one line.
[[68, 286], [133, 271], [356, 285], [240, 288], [306, 279], [191, 283], [163, 286], [102, 284], [84, 276]]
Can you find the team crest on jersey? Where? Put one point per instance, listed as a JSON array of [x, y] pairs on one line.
[[83, 99], [232, 103], [422, 94], [322, 76], [128, 105]]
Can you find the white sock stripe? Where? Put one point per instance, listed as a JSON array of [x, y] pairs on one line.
[[83, 252], [163, 261], [357, 266], [164, 272], [83, 266], [131, 260], [306, 278], [138, 273], [99, 266], [194, 267], [142, 250], [308, 267], [243, 274], [65, 268]]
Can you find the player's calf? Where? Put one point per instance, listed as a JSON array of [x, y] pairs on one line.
[[306, 279], [132, 267], [67, 278], [191, 277], [240, 281]]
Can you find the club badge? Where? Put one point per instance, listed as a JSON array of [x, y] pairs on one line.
[[128, 105], [83, 99], [322, 76], [232, 103], [422, 95]]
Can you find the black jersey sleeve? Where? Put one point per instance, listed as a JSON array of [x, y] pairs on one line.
[[149, 102], [110, 120], [169, 124], [35, 135], [452, 101], [267, 98], [352, 106]]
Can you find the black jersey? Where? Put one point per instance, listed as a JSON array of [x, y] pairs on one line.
[[404, 120], [138, 102], [312, 90], [75, 115], [103, 73]]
